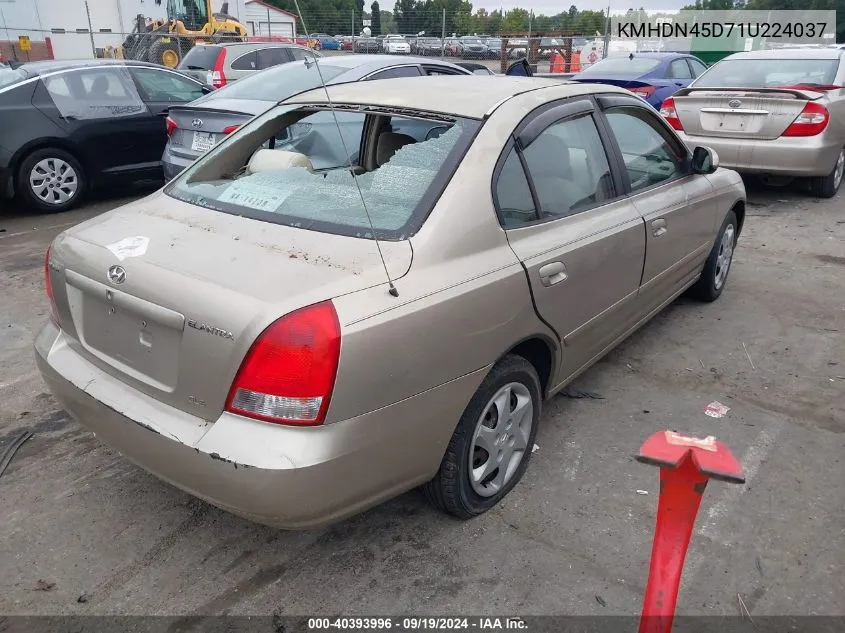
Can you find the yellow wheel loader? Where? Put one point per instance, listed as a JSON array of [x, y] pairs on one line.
[[188, 22]]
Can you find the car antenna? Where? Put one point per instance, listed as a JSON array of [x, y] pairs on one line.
[[391, 288]]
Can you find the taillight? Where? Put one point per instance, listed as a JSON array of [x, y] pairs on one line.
[[230, 129], [288, 375], [643, 91], [812, 121], [216, 76], [171, 126], [48, 286], [667, 111]]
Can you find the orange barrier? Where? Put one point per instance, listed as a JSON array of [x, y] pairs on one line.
[[557, 63]]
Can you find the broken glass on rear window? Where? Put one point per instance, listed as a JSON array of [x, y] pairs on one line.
[[327, 170]]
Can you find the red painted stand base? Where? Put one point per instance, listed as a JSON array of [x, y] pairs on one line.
[[686, 464]]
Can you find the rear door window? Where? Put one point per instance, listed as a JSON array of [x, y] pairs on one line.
[[96, 93], [269, 57], [568, 167], [396, 71], [697, 67], [679, 69], [247, 61], [441, 70], [300, 54], [514, 202]]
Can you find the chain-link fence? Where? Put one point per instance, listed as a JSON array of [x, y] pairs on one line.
[[566, 42], [166, 38]]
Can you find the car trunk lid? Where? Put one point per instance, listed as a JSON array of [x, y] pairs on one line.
[[201, 127], [195, 290], [758, 113]]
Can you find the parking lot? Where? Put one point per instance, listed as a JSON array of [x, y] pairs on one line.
[[87, 532]]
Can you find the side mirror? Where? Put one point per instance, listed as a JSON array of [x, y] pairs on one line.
[[704, 160]]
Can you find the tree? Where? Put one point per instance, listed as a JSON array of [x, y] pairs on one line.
[[359, 17], [404, 12], [515, 21], [388, 23], [375, 24]]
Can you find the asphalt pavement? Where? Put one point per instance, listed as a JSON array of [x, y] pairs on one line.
[[84, 531]]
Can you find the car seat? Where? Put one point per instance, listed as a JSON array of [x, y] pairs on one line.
[[551, 170], [276, 160], [99, 88], [388, 144]]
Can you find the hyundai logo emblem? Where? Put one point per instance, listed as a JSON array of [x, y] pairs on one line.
[[734, 103], [117, 275], [197, 123]]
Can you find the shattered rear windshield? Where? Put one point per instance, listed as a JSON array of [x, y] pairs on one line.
[[326, 170]]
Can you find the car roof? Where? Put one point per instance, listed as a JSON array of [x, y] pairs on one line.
[[256, 45], [653, 55], [366, 63], [790, 53], [470, 96], [43, 67]]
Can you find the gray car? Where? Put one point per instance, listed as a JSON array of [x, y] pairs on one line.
[[220, 64], [195, 128]]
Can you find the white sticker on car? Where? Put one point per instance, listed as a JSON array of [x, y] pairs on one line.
[[256, 192], [130, 247]]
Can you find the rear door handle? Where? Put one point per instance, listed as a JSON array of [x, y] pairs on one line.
[[658, 227], [553, 273]]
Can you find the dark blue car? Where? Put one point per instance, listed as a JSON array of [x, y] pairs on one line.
[[653, 76]]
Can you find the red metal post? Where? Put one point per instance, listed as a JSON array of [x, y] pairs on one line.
[[686, 464]]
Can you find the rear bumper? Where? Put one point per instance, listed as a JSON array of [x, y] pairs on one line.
[[173, 165], [288, 477], [796, 156]]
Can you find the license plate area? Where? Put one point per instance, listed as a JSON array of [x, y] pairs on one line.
[[736, 123], [136, 337], [203, 141]]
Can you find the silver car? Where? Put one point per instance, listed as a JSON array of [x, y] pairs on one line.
[[779, 114], [221, 64], [198, 126], [296, 341]]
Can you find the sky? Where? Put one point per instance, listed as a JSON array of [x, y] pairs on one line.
[[552, 7]]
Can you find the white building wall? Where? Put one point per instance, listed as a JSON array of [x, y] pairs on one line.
[[66, 22], [19, 17], [263, 22]]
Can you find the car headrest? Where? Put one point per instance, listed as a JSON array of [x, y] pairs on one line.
[[275, 159], [389, 143]]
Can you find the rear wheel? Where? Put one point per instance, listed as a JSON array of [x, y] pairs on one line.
[[491, 446], [164, 53], [827, 186], [715, 274], [50, 180]]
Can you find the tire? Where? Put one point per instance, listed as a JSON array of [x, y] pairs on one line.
[[59, 169], [714, 276], [454, 489], [827, 186], [162, 52]]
